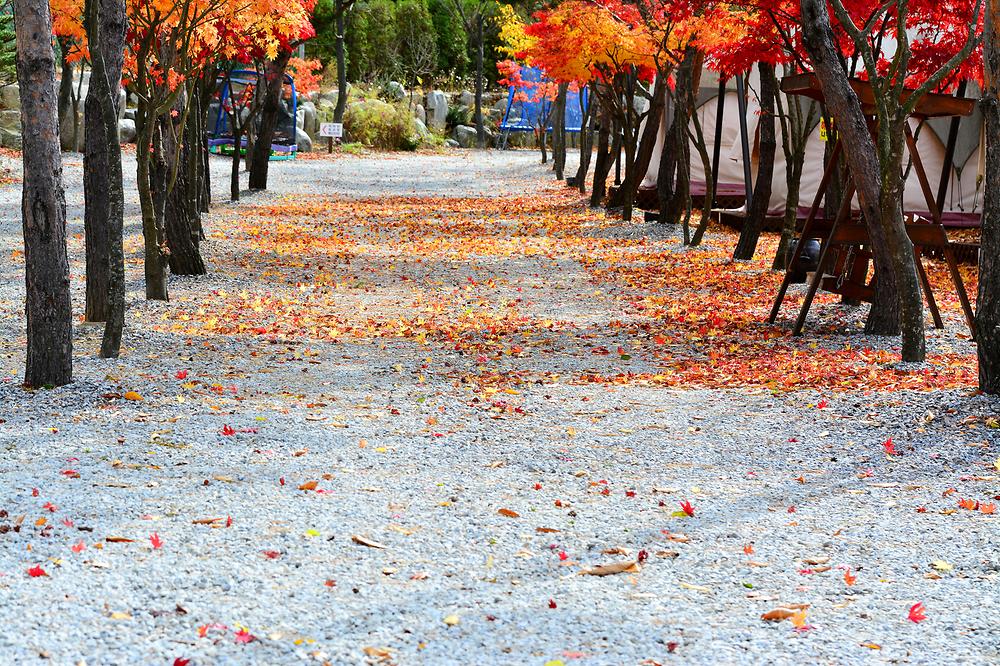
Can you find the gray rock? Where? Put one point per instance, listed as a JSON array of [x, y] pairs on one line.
[[122, 98], [437, 109], [465, 136], [130, 114], [300, 118], [303, 141], [126, 131], [10, 119], [310, 117], [467, 98], [395, 91], [420, 128], [66, 131], [419, 113], [451, 143], [10, 139], [10, 97]]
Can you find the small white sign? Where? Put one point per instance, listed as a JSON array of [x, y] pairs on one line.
[[334, 130]]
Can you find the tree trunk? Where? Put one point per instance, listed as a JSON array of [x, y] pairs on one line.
[[586, 141], [647, 144], [603, 162], [101, 149], [897, 304], [274, 76], [480, 128], [43, 204], [988, 302], [178, 199], [234, 173], [768, 145], [338, 112], [154, 236], [65, 86], [102, 173], [559, 132]]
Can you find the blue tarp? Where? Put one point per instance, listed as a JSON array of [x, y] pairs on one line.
[[522, 116]]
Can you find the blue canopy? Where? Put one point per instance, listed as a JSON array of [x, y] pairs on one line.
[[522, 116]]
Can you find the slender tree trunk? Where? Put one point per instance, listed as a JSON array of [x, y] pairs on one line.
[[988, 302], [768, 145], [559, 132], [234, 174], [603, 162], [153, 233], [878, 179], [647, 144], [178, 198], [274, 76], [586, 141], [102, 173], [338, 111], [480, 128], [65, 87], [43, 205]]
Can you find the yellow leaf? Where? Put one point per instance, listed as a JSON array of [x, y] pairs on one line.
[[132, 395], [312, 533], [451, 620], [941, 565]]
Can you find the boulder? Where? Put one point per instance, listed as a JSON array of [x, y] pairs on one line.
[[451, 143], [300, 118], [420, 128], [10, 97], [66, 131], [10, 139], [465, 136], [310, 117], [419, 113], [10, 119], [126, 131], [395, 91], [129, 114], [303, 141], [122, 97], [437, 109], [467, 98]]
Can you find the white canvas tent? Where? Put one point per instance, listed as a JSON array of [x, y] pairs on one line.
[[964, 193]]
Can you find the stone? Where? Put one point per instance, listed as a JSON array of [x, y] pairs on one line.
[[310, 118], [10, 139], [467, 98], [451, 143], [437, 109], [10, 119], [465, 136], [300, 118], [122, 98], [10, 97], [395, 91], [303, 141], [129, 114], [419, 113], [66, 131], [126, 131], [420, 128]]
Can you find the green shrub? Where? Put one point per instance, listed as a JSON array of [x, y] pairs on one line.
[[380, 125], [458, 115]]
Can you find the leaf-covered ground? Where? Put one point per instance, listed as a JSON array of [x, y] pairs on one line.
[[433, 409]]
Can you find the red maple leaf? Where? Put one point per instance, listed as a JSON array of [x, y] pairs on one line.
[[849, 578], [155, 539], [229, 521], [822, 404], [890, 448], [244, 636], [687, 508], [917, 612], [50, 506], [181, 374], [227, 430], [36, 572], [180, 661], [748, 549], [552, 603], [642, 556], [78, 547], [272, 554]]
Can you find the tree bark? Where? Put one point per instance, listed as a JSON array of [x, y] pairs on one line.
[[988, 301], [102, 153], [65, 84], [877, 176], [586, 141], [43, 204], [768, 145], [102, 173], [603, 162], [647, 144], [480, 127], [338, 112], [181, 220], [274, 76], [559, 132]]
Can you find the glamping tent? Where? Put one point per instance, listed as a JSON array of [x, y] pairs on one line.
[[962, 180]]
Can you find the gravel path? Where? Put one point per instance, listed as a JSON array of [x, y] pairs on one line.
[[366, 437]]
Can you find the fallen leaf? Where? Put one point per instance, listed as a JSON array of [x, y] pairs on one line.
[[309, 485], [509, 513], [451, 620], [613, 568], [362, 541], [132, 395]]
